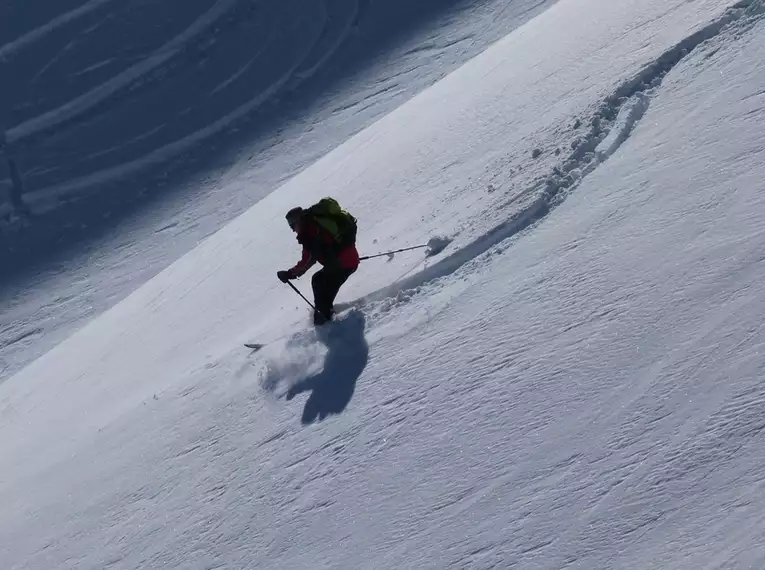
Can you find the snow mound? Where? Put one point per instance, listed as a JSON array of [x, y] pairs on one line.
[[437, 244], [292, 360]]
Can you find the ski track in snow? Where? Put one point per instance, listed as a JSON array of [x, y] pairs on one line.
[[322, 37], [611, 126], [10, 48], [88, 101]]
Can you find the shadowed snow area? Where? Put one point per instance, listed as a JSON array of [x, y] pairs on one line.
[[140, 128]]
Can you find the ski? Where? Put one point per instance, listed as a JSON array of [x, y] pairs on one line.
[[254, 345]]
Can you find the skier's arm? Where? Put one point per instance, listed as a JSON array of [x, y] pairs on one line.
[[305, 263]]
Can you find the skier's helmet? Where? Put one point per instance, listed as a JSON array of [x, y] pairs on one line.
[[294, 216]]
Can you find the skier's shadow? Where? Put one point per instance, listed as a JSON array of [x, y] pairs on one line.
[[347, 356]]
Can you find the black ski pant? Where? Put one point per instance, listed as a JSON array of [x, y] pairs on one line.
[[326, 284]]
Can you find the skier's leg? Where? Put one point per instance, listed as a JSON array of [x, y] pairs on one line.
[[321, 296], [334, 281]]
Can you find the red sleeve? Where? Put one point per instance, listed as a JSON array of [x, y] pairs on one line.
[[305, 263]]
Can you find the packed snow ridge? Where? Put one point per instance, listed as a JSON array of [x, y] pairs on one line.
[[610, 127]]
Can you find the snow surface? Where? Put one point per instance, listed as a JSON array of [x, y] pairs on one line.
[[137, 179], [574, 382]]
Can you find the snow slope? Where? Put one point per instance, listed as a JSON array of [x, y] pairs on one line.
[[585, 393], [112, 207]]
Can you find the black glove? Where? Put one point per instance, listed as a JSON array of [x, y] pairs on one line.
[[284, 276]]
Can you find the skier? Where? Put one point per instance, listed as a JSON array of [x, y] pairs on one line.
[[328, 236]]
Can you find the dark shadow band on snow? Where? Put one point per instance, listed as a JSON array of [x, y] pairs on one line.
[[111, 133], [610, 127], [332, 388]]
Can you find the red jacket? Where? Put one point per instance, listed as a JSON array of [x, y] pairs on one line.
[[320, 246]]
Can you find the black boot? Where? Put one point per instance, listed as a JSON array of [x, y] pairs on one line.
[[322, 317]]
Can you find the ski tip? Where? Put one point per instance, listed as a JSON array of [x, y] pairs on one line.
[[253, 345]]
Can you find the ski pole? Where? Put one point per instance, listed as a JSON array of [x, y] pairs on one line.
[[296, 290], [392, 252]]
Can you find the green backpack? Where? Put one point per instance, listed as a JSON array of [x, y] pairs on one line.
[[329, 215]]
